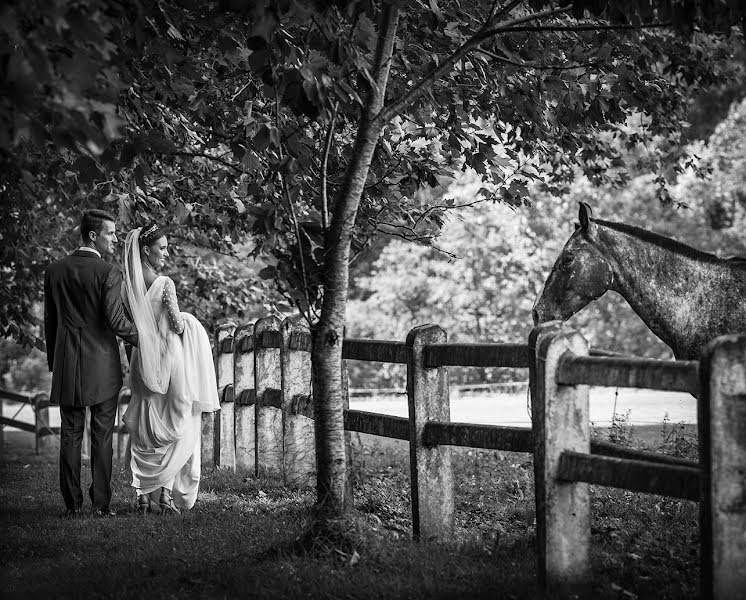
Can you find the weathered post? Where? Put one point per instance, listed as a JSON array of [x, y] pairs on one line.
[[125, 394], [721, 421], [244, 397], [44, 437], [268, 385], [211, 420], [430, 466], [225, 438], [85, 451], [207, 448], [297, 403], [560, 423]]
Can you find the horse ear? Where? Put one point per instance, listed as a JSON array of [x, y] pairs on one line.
[[585, 216]]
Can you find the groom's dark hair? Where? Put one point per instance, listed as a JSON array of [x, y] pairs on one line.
[[93, 220]]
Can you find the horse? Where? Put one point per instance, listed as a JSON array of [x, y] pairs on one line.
[[685, 296]]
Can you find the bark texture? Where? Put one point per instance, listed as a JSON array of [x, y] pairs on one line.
[[331, 457]]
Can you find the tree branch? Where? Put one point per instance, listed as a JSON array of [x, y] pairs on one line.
[[293, 216], [382, 59], [528, 65], [296, 226], [324, 169], [503, 11], [445, 207], [210, 157], [589, 27], [384, 176], [424, 84], [409, 235]]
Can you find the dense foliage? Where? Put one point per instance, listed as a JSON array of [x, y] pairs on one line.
[[236, 126]]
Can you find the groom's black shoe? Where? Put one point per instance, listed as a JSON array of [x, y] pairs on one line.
[[104, 512], [71, 513]]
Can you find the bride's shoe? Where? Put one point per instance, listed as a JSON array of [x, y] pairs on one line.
[[143, 504], [166, 502]]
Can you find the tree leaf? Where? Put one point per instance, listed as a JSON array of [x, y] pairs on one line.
[[268, 272]]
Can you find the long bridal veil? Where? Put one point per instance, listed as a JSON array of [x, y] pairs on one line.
[[152, 346], [172, 378]]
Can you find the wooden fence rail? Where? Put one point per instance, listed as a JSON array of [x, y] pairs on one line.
[[376, 351], [43, 432], [396, 428], [612, 371]]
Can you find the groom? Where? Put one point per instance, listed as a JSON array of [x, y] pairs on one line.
[[83, 314]]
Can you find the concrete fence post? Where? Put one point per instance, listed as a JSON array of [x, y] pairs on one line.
[[244, 397], [210, 451], [44, 437], [123, 436], [225, 436], [430, 466], [560, 423], [268, 385], [299, 464], [722, 455], [85, 449]]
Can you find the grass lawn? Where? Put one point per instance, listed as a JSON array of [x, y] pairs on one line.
[[643, 546]]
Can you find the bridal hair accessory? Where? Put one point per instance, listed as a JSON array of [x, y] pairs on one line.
[[150, 233]]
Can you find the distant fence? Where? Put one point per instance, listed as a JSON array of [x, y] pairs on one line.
[[40, 427], [507, 387], [266, 424], [44, 432]]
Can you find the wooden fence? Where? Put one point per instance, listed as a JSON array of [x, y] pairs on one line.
[[45, 434], [565, 465], [40, 427], [266, 424]]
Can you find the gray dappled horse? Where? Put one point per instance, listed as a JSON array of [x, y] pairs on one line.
[[686, 297]]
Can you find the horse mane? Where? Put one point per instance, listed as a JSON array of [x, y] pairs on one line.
[[668, 243]]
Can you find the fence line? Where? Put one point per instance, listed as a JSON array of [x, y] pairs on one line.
[[266, 424], [44, 433], [264, 379], [506, 387], [41, 428]]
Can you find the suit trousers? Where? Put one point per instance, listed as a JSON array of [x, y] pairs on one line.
[[72, 424]]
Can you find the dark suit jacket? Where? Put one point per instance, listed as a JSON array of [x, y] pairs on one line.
[[83, 314]]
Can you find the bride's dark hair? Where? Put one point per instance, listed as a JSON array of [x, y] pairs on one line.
[[150, 233]]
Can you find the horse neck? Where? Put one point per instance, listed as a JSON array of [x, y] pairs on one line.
[[663, 287]]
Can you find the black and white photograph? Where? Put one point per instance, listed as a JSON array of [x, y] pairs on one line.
[[373, 299]]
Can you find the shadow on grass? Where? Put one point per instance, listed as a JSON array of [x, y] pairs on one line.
[[238, 540], [225, 547]]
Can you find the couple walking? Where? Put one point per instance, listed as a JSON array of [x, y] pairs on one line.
[[172, 376]]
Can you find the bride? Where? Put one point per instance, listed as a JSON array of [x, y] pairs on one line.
[[172, 379]]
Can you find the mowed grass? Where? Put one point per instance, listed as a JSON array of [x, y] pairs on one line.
[[227, 546]]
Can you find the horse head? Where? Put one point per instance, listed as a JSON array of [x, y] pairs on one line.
[[580, 275]]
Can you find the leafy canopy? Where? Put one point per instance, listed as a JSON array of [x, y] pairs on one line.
[[235, 121]]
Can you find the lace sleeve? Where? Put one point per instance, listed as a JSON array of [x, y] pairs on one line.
[[172, 307]]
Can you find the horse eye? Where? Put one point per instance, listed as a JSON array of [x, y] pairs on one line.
[[567, 259]]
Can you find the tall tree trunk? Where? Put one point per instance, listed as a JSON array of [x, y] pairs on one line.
[[326, 355]]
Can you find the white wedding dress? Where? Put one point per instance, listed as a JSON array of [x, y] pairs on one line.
[[172, 378]]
